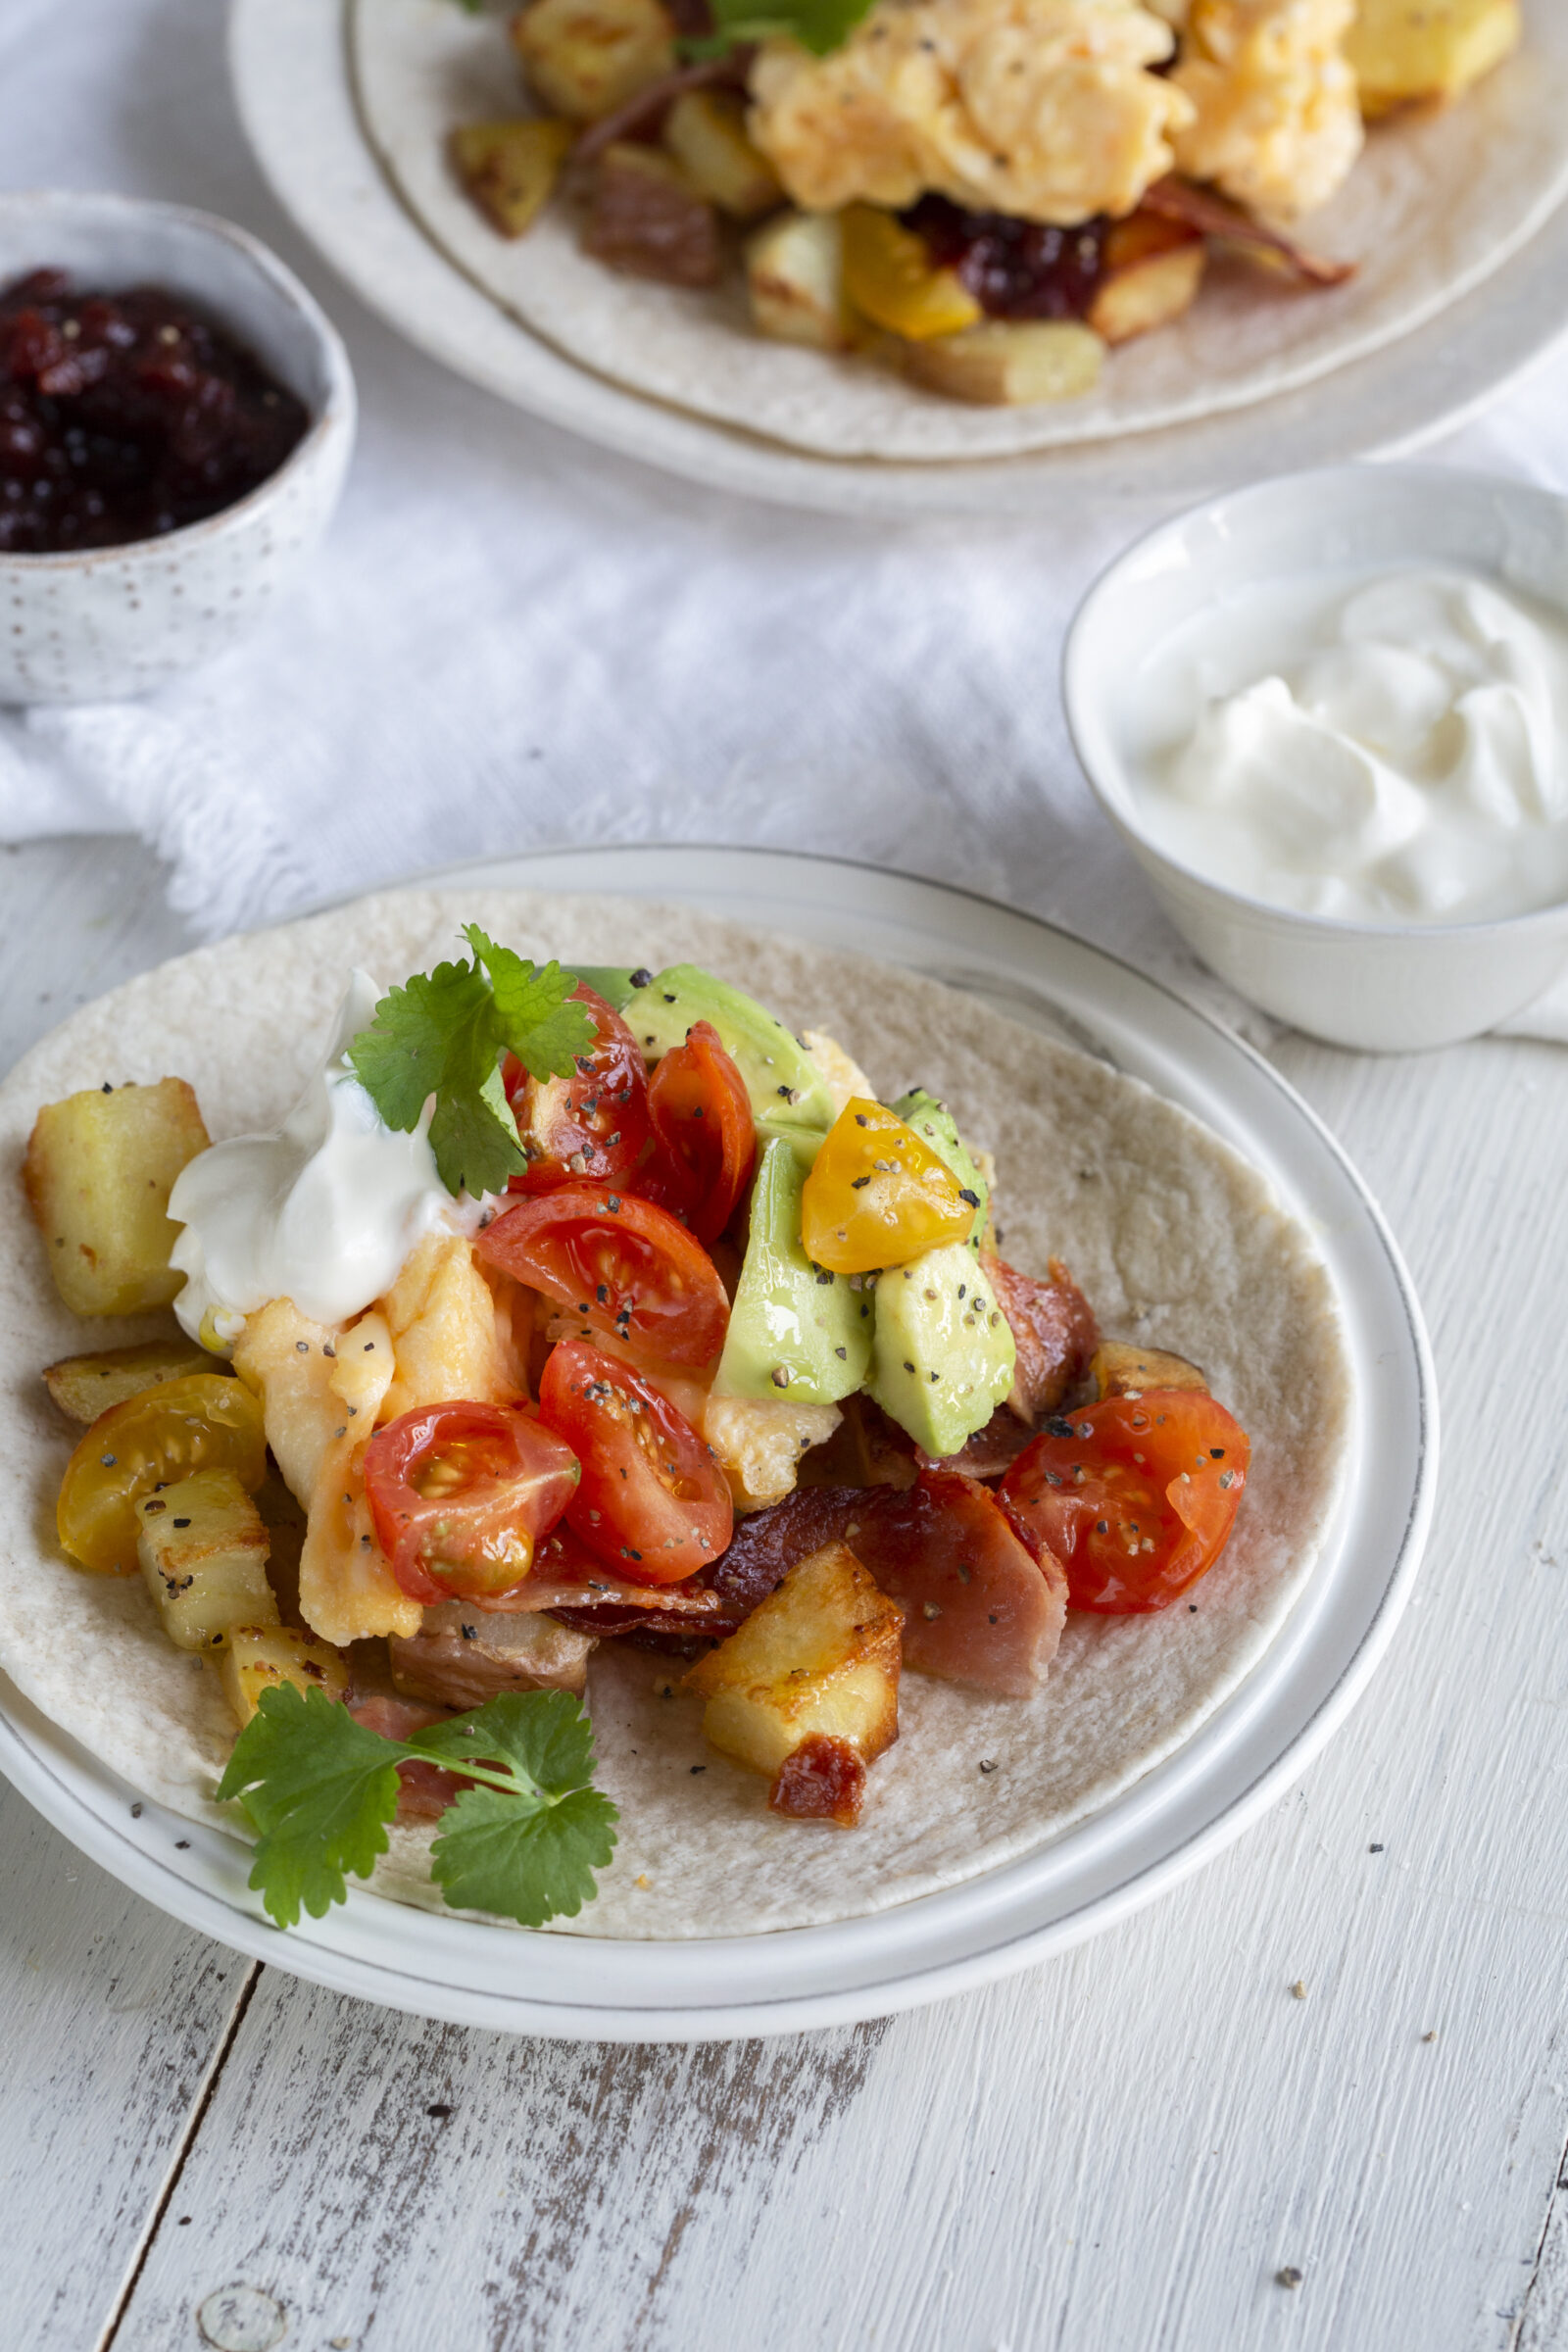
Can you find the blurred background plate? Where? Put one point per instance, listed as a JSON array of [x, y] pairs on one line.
[[294, 90], [1178, 1816]]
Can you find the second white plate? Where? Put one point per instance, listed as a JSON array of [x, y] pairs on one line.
[[294, 90], [1168, 1822]]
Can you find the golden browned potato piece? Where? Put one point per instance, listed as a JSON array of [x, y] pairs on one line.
[[583, 58], [510, 169], [705, 132], [1401, 51], [258, 1657], [85, 1386], [1122, 1371], [203, 1552], [820, 1655], [1009, 363], [99, 1170], [1153, 268], [795, 277]]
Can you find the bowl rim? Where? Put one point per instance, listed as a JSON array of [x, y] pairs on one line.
[[1077, 702], [335, 413]]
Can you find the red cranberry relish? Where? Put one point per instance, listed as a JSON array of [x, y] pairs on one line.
[[125, 415], [1014, 268]]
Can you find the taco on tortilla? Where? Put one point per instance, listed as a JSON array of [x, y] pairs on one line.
[[828, 222], [640, 1329]]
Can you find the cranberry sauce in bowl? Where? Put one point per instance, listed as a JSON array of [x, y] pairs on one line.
[[127, 415]]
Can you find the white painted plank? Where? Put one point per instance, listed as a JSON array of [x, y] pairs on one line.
[[110, 2017]]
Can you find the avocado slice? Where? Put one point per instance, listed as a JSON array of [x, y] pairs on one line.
[[615, 982], [787, 1089], [790, 1316], [942, 1355], [933, 1123]]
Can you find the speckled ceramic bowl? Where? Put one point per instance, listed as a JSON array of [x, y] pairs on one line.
[[99, 624]]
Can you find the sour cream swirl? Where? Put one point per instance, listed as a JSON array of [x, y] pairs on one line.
[[324, 1212], [1387, 749]]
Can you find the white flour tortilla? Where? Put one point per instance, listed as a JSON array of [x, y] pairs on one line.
[[1437, 203], [1176, 1241]]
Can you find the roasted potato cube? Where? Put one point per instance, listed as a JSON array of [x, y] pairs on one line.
[[583, 58], [510, 169], [203, 1550], [1401, 51], [1009, 363], [1153, 268], [647, 219], [85, 1386], [704, 131], [820, 1655], [795, 277], [1122, 1371], [258, 1657], [462, 1655], [98, 1174]]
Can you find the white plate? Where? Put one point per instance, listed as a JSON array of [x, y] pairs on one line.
[[294, 90], [1175, 1818]]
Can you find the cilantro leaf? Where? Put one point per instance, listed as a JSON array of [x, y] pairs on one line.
[[819, 25], [543, 1028], [319, 1788], [524, 1862], [524, 1842], [442, 1034]]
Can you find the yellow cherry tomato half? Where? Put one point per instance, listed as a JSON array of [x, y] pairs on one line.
[[204, 1422], [878, 1196]]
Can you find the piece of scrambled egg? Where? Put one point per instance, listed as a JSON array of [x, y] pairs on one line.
[[1047, 110], [1277, 119], [1038, 108]]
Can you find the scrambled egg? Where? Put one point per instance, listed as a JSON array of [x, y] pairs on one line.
[[1278, 120], [1038, 108]]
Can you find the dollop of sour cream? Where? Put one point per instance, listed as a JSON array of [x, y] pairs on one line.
[[324, 1211], [1385, 748]]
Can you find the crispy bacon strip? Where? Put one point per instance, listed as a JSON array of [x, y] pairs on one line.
[[1055, 1330], [645, 107], [978, 1608], [425, 1790], [1212, 215]]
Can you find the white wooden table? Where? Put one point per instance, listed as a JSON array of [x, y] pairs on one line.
[[1342, 2051]]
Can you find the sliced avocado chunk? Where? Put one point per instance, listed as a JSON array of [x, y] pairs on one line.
[[789, 1316], [784, 1083], [615, 982], [943, 1353], [933, 1123]]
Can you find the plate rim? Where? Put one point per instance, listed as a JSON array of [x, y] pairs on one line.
[[1406, 381], [91, 1806]]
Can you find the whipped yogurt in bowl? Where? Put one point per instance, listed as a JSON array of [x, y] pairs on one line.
[[1329, 714]]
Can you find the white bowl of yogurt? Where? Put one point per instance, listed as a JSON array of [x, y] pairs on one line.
[[1329, 715]]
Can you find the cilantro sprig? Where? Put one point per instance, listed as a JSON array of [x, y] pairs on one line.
[[820, 26], [443, 1033], [319, 1788]]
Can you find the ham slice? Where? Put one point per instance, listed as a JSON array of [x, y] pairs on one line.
[[1056, 1334], [1213, 216], [978, 1609]]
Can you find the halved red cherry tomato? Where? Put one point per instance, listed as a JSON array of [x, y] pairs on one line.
[[593, 1123], [701, 1121], [1136, 1497], [653, 1504], [623, 1263], [462, 1493]]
